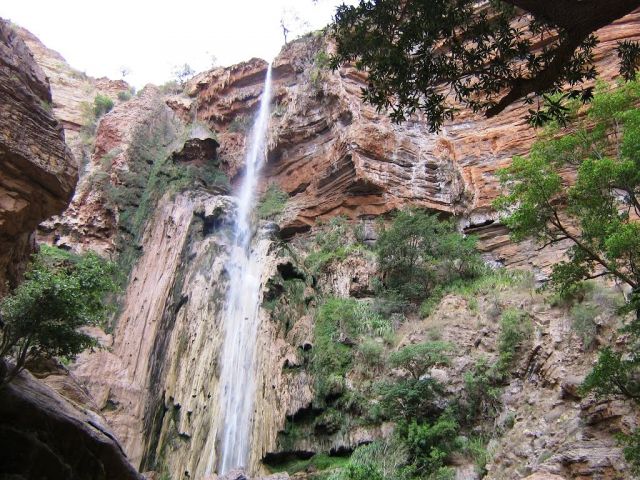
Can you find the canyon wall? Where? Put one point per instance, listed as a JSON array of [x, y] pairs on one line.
[[37, 170], [156, 382], [48, 427]]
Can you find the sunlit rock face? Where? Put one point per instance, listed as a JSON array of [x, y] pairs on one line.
[[37, 171], [91, 221], [71, 92], [88, 223], [335, 155]]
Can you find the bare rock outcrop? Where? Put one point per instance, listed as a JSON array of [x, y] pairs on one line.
[[37, 171], [72, 92], [43, 435]]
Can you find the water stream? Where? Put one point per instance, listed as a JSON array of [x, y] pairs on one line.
[[238, 358]]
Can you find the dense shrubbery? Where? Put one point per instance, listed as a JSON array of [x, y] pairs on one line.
[[340, 324], [61, 293], [419, 253], [101, 105]]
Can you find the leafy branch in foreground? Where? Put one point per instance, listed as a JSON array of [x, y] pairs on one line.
[[434, 57], [42, 317]]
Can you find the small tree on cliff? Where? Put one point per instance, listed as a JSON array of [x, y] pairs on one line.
[[41, 318], [433, 56], [418, 252]]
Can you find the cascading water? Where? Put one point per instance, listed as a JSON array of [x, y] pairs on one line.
[[237, 376]]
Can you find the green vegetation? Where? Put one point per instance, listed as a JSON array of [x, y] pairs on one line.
[[272, 203], [596, 214], [42, 317], [419, 358], [584, 323], [332, 243], [515, 329], [419, 254], [340, 324], [445, 54], [101, 105], [317, 463], [124, 95], [604, 149]]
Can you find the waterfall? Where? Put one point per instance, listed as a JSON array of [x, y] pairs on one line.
[[238, 360]]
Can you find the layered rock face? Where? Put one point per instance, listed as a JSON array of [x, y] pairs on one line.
[[88, 221], [37, 171], [335, 155], [72, 92], [157, 381]]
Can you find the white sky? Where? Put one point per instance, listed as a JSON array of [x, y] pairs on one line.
[[151, 38]]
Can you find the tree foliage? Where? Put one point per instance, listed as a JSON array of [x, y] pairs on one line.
[[597, 213], [42, 317], [418, 252], [435, 56], [417, 359], [101, 105]]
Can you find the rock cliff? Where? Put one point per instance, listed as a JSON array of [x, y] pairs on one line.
[[37, 171], [87, 220], [45, 435], [140, 200]]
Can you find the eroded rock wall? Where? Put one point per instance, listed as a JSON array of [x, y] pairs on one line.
[[334, 155], [157, 382], [37, 171]]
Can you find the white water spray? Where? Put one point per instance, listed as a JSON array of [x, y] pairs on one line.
[[238, 360]]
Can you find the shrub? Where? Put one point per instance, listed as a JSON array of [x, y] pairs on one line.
[[61, 293], [515, 328], [429, 444], [476, 448], [408, 400], [372, 353], [418, 252], [101, 105], [584, 324], [361, 472], [385, 456], [124, 95], [481, 396], [331, 358], [420, 358], [332, 242], [272, 203], [631, 450]]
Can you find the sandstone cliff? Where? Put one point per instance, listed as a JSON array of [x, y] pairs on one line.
[[86, 221], [157, 382], [37, 170]]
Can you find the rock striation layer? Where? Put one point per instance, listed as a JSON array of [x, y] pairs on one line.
[[37, 171]]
